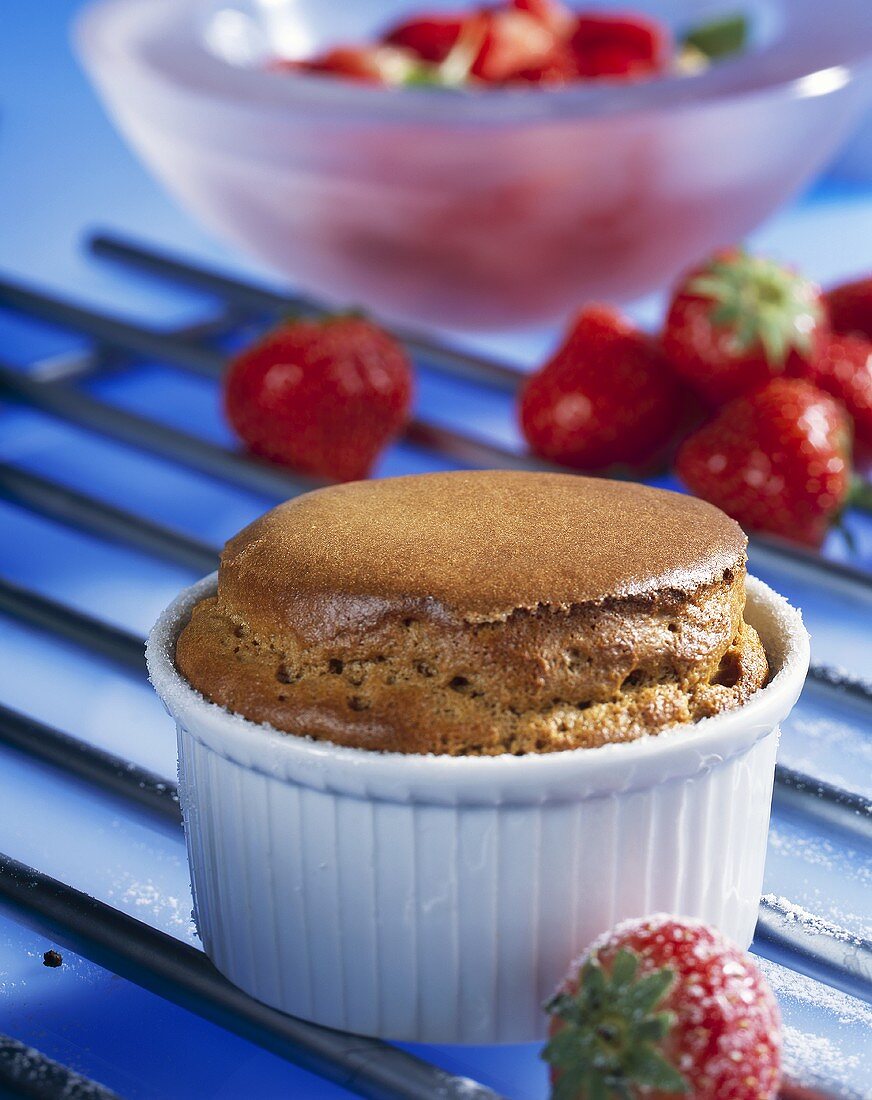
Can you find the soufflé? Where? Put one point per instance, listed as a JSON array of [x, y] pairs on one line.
[[479, 613]]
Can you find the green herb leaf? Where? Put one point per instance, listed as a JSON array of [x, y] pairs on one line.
[[719, 38]]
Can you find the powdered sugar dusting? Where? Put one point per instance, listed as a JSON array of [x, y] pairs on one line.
[[148, 902], [834, 1062], [793, 913]]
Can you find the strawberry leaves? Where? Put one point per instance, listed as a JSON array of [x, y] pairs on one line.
[[609, 1036], [761, 303]]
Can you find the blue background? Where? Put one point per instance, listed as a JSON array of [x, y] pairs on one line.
[[64, 172]]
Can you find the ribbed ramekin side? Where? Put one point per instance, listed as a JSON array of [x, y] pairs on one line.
[[452, 924]]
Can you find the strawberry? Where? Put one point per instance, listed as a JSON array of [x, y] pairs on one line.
[[620, 46], [661, 1007], [431, 37], [321, 396], [605, 397], [550, 13], [559, 66], [843, 368], [367, 64], [850, 307], [739, 320], [513, 41], [776, 460]]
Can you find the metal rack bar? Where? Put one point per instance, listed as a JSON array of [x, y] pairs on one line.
[[823, 802], [156, 440], [182, 974], [27, 1072], [828, 954], [112, 774], [85, 513], [258, 299], [841, 685], [73, 626]]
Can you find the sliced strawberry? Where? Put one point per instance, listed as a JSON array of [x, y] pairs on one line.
[[550, 13], [431, 37], [368, 64], [626, 46], [559, 67], [513, 42]]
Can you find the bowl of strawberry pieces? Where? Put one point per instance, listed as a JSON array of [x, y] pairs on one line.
[[479, 167]]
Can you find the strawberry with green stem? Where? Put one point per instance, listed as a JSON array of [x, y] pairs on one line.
[[661, 1008], [739, 320]]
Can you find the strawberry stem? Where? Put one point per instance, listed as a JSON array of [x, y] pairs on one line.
[[860, 496]]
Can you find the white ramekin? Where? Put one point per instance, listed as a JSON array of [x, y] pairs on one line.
[[440, 899]]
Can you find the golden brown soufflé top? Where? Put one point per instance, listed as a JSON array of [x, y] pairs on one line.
[[478, 613]]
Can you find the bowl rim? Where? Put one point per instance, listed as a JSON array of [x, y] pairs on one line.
[[106, 33], [680, 751]]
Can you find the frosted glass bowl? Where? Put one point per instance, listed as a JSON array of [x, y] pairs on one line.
[[479, 209]]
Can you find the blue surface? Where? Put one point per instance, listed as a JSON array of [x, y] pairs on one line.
[[63, 171]]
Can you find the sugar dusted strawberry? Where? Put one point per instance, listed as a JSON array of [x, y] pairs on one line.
[[776, 460], [605, 398], [739, 320], [620, 45], [663, 1007], [850, 307], [843, 368], [323, 397]]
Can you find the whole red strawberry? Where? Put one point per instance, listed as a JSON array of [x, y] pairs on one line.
[[850, 307], [321, 396], [662, 1007], [776, 460], [605, 398], [844, 369], [739, 320]]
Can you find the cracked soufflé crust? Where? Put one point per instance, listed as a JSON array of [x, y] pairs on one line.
[[479, 613]]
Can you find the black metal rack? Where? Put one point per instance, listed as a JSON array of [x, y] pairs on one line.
[[153, 959]]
